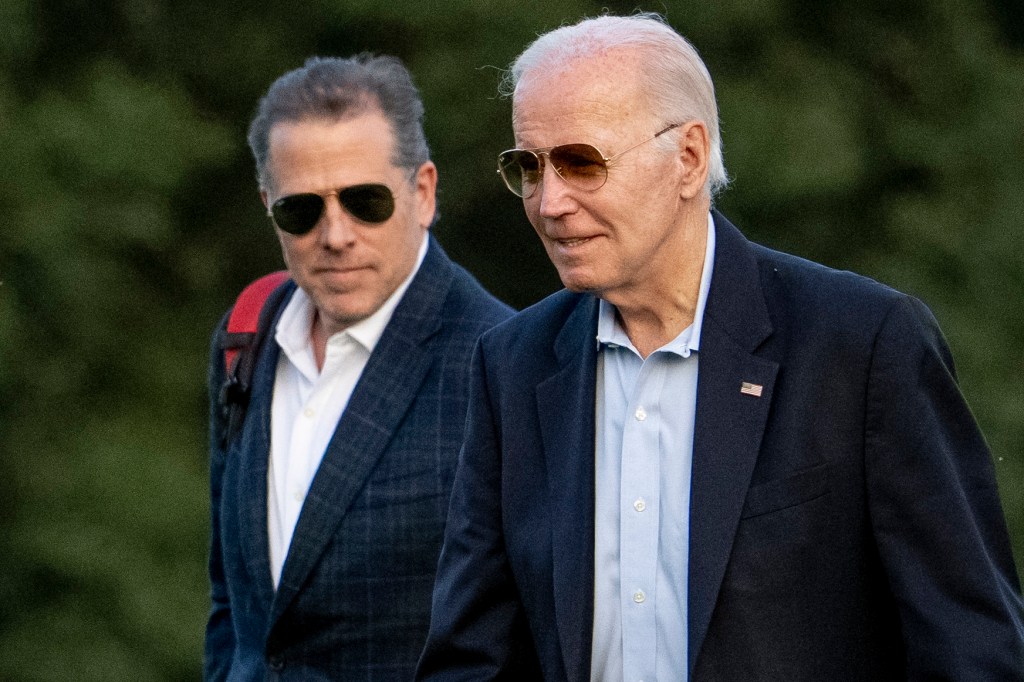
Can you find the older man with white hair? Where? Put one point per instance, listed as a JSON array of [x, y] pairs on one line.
[[705, 459]]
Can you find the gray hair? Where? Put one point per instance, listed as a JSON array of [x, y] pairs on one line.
[[677, 82], [332, 89]]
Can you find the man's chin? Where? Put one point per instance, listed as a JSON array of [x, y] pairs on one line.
[[340, 315], [578, 283], [579, 288]]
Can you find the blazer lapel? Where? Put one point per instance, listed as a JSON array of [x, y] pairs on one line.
[[252, 449], [565, 403], [386, 389], [730, 421]]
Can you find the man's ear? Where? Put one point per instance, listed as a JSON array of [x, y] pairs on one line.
[[694, 152], [426, 193]]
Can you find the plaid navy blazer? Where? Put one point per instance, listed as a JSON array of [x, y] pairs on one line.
[[354, 596]]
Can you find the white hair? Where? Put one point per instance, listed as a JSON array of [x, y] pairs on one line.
[[675, 79]]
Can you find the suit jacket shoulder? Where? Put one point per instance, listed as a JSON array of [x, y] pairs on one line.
[[445, 289]]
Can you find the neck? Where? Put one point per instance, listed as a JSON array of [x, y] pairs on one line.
[[662, 308], [318, 336]]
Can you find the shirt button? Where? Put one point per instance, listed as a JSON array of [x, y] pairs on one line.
[[309, 412], [297, 496], [640, 414], [640, 505], [639, 596]]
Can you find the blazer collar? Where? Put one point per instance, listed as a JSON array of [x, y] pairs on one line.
[[734, 394], [565, 404], [251, 449], [736, 300]]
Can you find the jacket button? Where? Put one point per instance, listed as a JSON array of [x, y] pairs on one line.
[[276, 663]]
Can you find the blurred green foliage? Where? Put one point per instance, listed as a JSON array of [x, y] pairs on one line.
[[882, 136]]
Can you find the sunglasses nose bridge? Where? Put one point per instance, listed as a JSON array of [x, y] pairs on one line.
[[335, 222], [549, 163], [553, 166], [529, 191], [542, 163]]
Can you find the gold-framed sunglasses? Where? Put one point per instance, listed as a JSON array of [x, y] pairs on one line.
[[581, 165]]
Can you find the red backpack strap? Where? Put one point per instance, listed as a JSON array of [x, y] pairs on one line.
[[241, 340], [245, 315]]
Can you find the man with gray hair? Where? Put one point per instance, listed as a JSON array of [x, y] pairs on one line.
[[328, 498], [704, 459]]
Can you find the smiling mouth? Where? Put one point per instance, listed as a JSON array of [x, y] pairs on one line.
[[574, 241]]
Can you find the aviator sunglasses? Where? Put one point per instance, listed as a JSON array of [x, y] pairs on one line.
[[299, 213], [581, 165]]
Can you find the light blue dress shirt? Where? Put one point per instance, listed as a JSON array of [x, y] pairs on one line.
[[644, 450]]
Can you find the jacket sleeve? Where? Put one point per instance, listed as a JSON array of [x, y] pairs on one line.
[[935, 511], [478, 628], [220, 637]]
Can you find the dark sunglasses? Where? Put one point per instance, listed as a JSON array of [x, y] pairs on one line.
[[581, 165], [299, 213]]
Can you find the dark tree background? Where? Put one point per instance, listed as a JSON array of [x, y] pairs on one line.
[[882, 136]]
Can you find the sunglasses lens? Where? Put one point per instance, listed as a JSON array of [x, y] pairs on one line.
[[298, 213], [369, 203], [580, 165], [521, 171]]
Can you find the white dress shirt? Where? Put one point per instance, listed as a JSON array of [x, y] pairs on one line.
[[644, 450], [308, 403]]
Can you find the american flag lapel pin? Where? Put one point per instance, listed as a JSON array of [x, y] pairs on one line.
[[747, 388]]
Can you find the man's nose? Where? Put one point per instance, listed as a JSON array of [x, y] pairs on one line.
[[337, 227], [554, 192]]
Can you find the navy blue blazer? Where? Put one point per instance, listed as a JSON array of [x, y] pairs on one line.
[[844, 525], [354, 596]]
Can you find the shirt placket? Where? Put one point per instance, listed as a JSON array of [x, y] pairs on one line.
[[639, 523]]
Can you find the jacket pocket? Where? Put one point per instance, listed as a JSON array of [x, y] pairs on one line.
[[790, 491]]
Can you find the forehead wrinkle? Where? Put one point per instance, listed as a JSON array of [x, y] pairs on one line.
[[579, 98]]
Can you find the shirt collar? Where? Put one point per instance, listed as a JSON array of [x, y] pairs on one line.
[[610, 333], [293, 328]]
